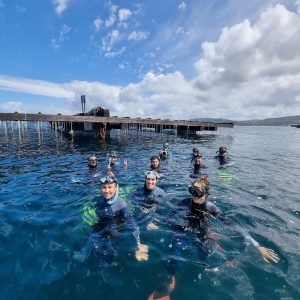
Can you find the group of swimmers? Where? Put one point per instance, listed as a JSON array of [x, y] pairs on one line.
[[115, 216]]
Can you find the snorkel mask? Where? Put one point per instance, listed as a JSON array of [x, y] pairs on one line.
[[197, 192]]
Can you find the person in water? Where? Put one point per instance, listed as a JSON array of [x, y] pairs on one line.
[[92, 164], [222, 156], [155, 163], [196, 212], [113, 161], [114, 217], [164, 152], [198, 165], [148, 198], [195, 153], [92, 161]]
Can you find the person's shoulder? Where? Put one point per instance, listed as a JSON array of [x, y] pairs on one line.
[[213, 208], [160, 191], [119, 204]]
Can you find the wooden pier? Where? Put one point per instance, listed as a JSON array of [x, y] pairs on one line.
[[103, 125]]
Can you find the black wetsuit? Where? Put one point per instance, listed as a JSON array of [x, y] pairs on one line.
[[223, 160], [147, 201], [194, 226], [197, 170]]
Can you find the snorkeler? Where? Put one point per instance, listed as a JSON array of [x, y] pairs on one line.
[[198, 165], [113, 161], [155, 163], [92, 161], [195, 153], [164, 152], [92, 164], [149, 197], [113, 216], [195, 223], [222, 155]]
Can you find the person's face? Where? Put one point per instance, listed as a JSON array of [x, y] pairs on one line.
[[113, 159], [92, 163], [155, 162], [199, 185], [109, 190], [223, 154], [151, 183]]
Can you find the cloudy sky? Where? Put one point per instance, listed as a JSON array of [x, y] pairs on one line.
[[235, 59]]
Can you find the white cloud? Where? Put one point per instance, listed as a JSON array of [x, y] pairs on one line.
[[124, 14], [97, 24], [56, 42], [138, 35], [61, 5], [182, 6], [112, 53], [252, 70], [11, 106], [112, 17], [36, 87]]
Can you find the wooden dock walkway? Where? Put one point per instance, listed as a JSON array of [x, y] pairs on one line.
[[105, 124]]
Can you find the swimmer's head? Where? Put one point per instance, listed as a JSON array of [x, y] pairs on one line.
[[92, 161], [166, 146], [151, 178], [109, 186], [199, 188], [113, 154], [113, 157], [222, 151], [155, 161], [195, 151]]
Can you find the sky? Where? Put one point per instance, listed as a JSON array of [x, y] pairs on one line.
[[233, 59]]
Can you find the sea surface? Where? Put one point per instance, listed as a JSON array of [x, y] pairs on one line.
[[45, 183]]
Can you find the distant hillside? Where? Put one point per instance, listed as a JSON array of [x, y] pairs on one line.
[[282, 121], [218, 120]]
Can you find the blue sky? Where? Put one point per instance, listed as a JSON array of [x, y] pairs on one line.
[[170, 59]]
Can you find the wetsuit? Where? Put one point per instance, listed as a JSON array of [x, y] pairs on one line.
[[157, 169], [148, 200], [114, 219], [194, 226], [197, 170], [224, 160]]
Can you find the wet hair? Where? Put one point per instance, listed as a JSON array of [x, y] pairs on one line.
[[155, 157], [222, 149]]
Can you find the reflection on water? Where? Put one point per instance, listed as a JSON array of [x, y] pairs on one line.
[[44, 183]]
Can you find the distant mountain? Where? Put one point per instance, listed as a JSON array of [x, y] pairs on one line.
[[217, 120], [282, 121]]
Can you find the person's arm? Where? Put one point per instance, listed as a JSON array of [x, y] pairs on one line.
[[142, 250], [267, 254]]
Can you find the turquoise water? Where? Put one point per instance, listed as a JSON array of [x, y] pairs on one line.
[[45, 182]]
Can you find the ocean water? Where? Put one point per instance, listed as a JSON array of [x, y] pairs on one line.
[[45, 183]]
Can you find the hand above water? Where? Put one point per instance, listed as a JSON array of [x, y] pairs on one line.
[[268, 254], [152, 226], [142, 252]]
